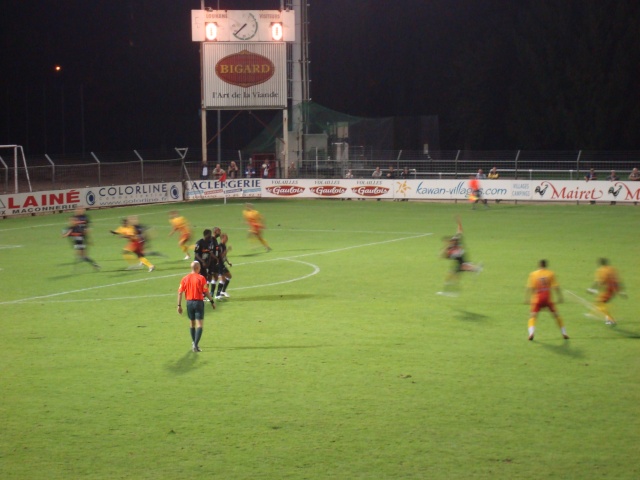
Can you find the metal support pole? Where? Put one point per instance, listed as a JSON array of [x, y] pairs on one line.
[[99, 168], [141, 166]]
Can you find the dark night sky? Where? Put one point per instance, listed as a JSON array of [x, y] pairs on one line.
[[130, 67]]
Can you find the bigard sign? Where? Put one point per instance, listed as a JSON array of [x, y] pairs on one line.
[[241, 76]]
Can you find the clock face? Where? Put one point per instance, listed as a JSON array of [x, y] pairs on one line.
[[244, 27]]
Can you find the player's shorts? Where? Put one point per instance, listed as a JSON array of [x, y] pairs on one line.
[[135, 246], [195, 309], [78, 244], [185, 237], [255, 228], [605, 296], [538, 305], [477, 193], [458, 263]]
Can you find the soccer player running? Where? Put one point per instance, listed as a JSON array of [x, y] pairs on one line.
[[194, 287], [181, 225], [476, 192], [78, 231], [256, 224], [134, 250], [224, 275], [539, 286], [605, 285], [454, 250]]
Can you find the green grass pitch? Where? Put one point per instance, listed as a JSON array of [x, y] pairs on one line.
[[333, 358]]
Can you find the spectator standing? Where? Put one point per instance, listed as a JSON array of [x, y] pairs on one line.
[[218, 172], [292, 172], [204, 172], [405, 173], [377, 173], [194, 287], [613, 177], [480, 175], [493, 174], [249, 171], [591, 175], [232, 171], [264, 169], [349, 174], [391, 173], [634, 175]]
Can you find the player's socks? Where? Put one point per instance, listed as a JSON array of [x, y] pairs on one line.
[[146, 262], [198, 336], [192, 330], [226, 284], [221, 287]]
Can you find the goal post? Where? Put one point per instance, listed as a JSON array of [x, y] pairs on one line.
[[17, 152]]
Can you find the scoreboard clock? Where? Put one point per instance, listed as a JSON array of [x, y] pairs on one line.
[[242, 25]]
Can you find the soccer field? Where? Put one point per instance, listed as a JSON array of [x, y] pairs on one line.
[[333, 357]]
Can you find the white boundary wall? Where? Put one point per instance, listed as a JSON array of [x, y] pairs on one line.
[[96, 197], [513, 190]]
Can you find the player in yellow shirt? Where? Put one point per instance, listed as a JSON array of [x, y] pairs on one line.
[[256, 224], [605, 285], [134, 250], [539, 287], [180, 224]]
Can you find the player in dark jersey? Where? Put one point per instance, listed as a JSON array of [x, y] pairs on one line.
[[454, 250], [224, 275], [215, 259], [78, 232], [203, 253]]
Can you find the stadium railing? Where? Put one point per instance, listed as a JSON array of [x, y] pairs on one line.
[[49, 172]]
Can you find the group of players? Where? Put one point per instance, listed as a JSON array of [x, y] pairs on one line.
[[210, 251], [540, 284]]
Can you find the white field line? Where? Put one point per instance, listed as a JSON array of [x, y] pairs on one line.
[[5, 247], [315, 271], [587, 304], [291, 258]]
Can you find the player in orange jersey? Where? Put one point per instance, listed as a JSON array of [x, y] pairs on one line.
[[180, 224], [476, 193], [605, 285], [539, 286], [256, 224]]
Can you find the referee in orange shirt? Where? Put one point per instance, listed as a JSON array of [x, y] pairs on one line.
[[194, 287]]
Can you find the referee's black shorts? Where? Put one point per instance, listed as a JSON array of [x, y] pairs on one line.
[[195, 309]]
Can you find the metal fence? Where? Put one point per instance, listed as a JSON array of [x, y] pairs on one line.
[[49, 172]]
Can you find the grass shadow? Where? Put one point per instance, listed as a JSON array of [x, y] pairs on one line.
[[563, 349], [467, 316], [625, 333], [185, 364], [272, 347], [274, 298]]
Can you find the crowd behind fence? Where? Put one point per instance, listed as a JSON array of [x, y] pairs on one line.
[[48, 172]]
